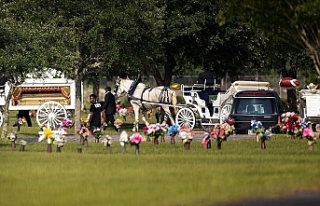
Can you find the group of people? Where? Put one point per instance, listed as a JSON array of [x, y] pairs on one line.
[[102, 112]]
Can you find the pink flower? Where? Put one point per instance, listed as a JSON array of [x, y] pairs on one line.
[[135, 138], [307, 132]]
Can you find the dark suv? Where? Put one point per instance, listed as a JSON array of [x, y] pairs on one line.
[[260, 105]]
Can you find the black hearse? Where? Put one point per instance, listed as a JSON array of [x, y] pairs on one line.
[[260, 105]]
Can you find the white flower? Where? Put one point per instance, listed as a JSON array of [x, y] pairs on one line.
[[124, 139], [107, 140]]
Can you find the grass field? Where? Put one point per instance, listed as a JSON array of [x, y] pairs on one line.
[[160, 175]]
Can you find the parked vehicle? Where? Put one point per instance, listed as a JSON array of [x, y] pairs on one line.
[[260, 105]]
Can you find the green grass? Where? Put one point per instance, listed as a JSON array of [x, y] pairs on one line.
[[161, 174]]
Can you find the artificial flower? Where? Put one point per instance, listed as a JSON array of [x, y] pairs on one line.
[[186, 134], [156, 130], [118, 123], [106, 140], [173, 129], [47, 134], [123, 140], [135, 138], [13, 136]]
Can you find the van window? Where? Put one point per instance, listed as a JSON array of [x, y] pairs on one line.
[[254, 106]]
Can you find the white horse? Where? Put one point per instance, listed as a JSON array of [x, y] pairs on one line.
[[144, 97]]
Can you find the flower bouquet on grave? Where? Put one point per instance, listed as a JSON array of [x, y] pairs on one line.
[[13, 138], [173, 130], [219, 134], [186, 134], [97, 134], [135, 140], [60, 140], [47, 135], [84, 132], [309, 135], [118, 123], [66, 123], [262, 134], [206, 140], [106, 141], [124, 140], [123, 113], [291, 124], [23, 144], [155, 131], [228, 125]]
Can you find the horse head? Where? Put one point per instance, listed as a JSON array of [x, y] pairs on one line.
[[119, 89]]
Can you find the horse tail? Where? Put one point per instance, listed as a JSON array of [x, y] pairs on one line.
[[174, 102]]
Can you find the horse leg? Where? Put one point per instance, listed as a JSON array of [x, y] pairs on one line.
[[136, 118], [144, 118], [167, 114]]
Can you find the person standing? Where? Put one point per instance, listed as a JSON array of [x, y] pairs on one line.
[[94, 119], [109, 108], [26, 115]]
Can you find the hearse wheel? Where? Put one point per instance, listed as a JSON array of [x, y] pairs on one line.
[[50, 114]]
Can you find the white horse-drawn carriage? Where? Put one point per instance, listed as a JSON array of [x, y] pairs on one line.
[[203, 102], [208, 105], [51, 98]]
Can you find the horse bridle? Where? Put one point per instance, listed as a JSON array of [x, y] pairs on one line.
[[116, 87]]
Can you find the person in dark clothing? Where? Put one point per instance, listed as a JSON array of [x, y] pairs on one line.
[[26, 115], [94, 120], [109, 108]]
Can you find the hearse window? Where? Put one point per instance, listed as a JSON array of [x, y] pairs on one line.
[[255, 106]]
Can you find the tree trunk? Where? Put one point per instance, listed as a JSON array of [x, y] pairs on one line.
[[78, 105], [5, 124], [96, 87]]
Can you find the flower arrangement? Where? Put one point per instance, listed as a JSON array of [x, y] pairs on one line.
[[118, 123], [13, 138], [124, 140], [291, 124], [186, 134], [60, 140], [66, 123], [23, 144], [84, 134], [309, 135], [261, 133], [173, 130], [47, 134], [218, 133], [106, 141], [228, 125], [123, 113], [155, 131], [206, 140], [97, 134], [136, 139]]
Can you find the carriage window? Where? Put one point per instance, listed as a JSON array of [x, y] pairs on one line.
[[254, 106]]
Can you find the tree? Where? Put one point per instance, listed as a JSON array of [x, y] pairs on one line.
[[294, 22]]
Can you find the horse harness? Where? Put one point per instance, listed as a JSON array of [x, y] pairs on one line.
[[163, 97]]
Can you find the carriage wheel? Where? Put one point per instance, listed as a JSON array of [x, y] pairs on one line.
[[1, 118], [51, 113], [185, 117], [225, 112]]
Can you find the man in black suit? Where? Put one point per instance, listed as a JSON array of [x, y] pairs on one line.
[[109, 108]]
